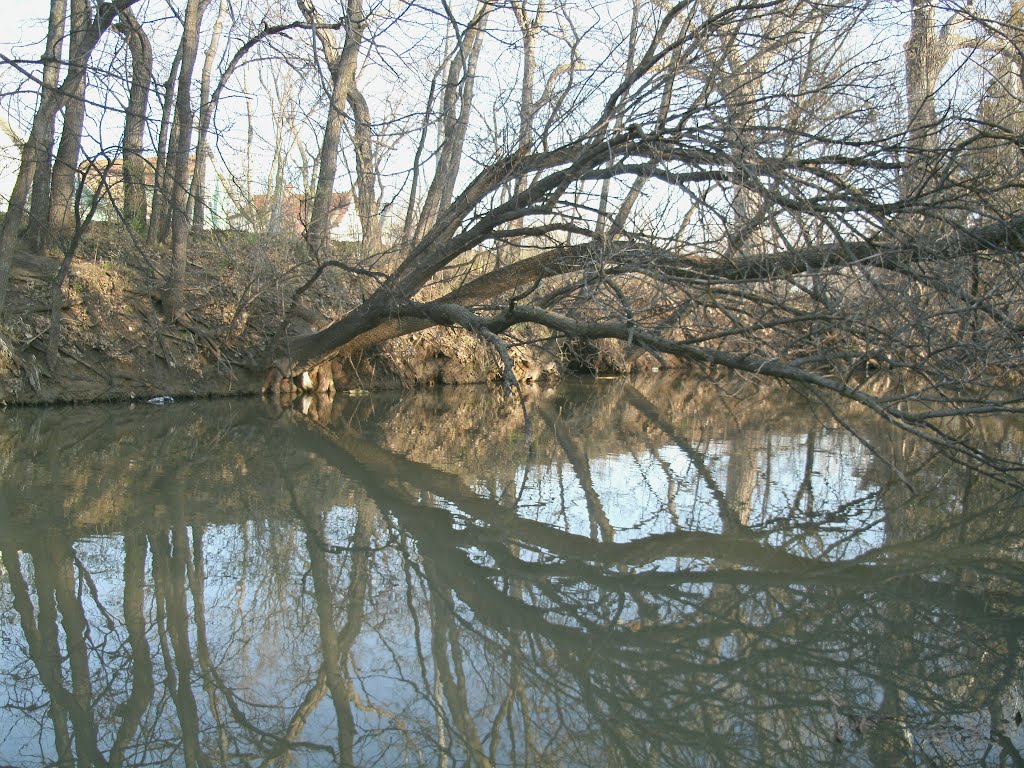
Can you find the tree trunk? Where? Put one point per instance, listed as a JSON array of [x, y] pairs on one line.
[[39, 209], [748, 230], [456, 107], [922, 62], [530, 28], [179, 159], [158, 220], [366, 200], [206, 109], [408, 228], [34, 147], [342, 67], [275, 222], [928, 50], [65, 164], [50, 103], [277, 182], [134, 162]]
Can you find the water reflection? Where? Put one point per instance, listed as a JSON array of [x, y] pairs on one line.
[[681, 573]]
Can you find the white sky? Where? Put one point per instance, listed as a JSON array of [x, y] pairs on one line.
[[15, 22]]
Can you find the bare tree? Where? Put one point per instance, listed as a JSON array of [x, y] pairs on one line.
[[39, 208], [455, 109], [726, 121], [367, 172], [181, 162], [65, 163], [206, 109], [40, 138], [341, 58], [754, 186], [134, 162]]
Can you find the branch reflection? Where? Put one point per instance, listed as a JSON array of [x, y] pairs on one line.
[[671, 579]]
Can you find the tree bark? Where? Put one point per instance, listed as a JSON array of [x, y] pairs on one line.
[[366, 200], [134, 162], [159, 219], [50, 103], [179, 160], [341, 65], [39, 208], [65, 163], [206, 109], [456, 107]]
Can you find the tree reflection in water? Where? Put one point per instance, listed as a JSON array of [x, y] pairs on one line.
[[681, 573]]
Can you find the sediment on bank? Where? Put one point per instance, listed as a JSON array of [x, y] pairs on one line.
[[115, 341]]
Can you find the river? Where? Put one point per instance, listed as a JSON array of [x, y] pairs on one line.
[[657, 572]]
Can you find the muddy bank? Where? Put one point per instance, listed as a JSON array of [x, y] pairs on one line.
[[115, 341]]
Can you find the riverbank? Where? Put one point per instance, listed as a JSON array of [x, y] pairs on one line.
[[115, 342]]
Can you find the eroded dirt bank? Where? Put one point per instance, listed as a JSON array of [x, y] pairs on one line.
[[116, 343]]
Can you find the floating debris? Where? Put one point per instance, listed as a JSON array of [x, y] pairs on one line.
[[161, 400]]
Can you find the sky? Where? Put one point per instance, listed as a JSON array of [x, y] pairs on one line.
[[23, 28], [16, 26]]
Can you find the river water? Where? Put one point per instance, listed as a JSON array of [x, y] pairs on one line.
[[669, 572]]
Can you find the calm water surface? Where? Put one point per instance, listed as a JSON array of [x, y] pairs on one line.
[[677, 573]]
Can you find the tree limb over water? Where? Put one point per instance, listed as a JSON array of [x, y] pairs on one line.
[[771, 187]]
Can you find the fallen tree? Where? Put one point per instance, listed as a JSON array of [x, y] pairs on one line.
[[853, 269], [737, 185]]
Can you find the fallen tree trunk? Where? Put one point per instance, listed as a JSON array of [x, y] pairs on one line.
[[385, 315]]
